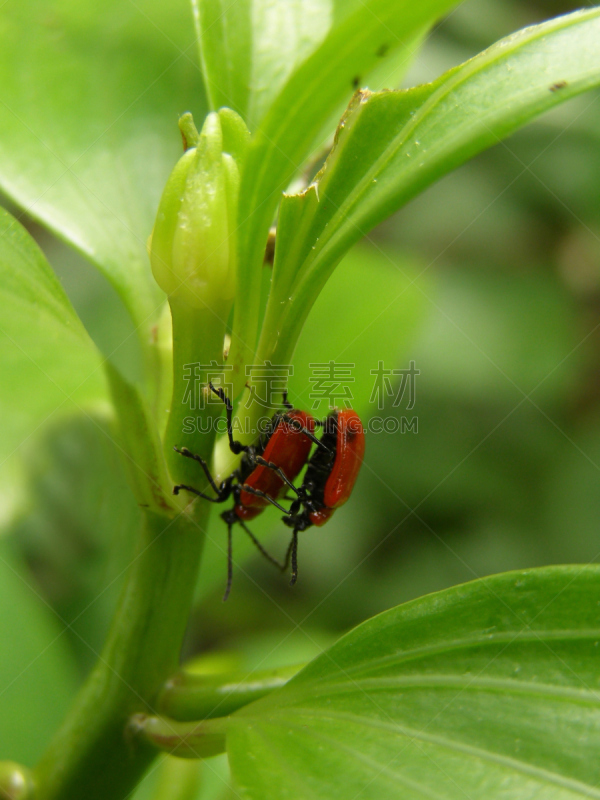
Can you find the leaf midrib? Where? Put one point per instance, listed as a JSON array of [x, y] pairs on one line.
[[541, 773], [347, 48], [585, 696], [505, 637], [495, 55]]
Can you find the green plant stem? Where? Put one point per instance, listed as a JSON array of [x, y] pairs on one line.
[[160, 381], [188, 696], [178, 779], [181, 739], [189, 326], [91, 756], [15, 781], [94, 756]]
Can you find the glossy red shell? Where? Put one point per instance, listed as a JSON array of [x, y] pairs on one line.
[[321, 516], [350, 449], [245, 512], [289, 449]]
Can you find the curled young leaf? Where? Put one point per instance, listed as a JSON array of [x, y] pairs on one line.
[[392, 145]]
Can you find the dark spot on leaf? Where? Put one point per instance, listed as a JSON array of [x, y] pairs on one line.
[[356, 82], [185, 144], [556, 87], [382, 50]]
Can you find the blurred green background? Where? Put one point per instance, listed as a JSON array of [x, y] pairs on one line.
[[490, 283]]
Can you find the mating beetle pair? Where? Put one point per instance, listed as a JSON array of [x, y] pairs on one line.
[[269, 467]]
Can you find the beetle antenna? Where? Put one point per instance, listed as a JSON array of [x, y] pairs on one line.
[[294, 551], [260, 548], [229, 560]]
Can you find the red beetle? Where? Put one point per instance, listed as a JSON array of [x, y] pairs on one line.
[[267, 469], [330, 476], [270, 466]]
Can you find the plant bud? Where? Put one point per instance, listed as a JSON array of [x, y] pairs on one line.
[[15, 781], [193, 244]]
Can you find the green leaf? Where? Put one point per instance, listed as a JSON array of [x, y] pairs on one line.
[[48, 363], [485, 690], [37, 675], [391, 145], [89, 99], [287, 67], [141, 447], [251, 51], [79, 529]]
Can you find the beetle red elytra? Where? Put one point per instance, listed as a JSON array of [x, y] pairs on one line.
[[329, 479], [287, 449], [267, 469]]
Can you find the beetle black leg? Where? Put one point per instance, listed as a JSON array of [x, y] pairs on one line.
[[231, 518], [257, 493], [292, 517], [286, 402], [299, 427], [288, 553], [264, 463], [235, 447], [261, 549], [294, 550], [298, 501], [185, 452], [220, 499], [229, 559]]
